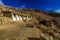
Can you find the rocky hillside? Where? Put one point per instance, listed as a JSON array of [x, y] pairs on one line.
[[42, 26]]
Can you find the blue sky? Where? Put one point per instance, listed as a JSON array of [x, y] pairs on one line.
[[48, 5]]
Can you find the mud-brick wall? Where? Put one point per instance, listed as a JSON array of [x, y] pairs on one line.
[[1, 20], [1, 14], [4, 20]]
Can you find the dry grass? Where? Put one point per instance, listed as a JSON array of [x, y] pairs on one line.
[[20, 31], [30, 29]]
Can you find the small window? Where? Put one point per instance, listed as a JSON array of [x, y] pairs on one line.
[[29, 25], [7, 14], [32, 38]]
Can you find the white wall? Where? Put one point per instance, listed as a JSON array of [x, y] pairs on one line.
[[20, 18], [14, 18], [17, 17]]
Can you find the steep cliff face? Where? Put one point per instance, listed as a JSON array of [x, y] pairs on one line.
[[14, 13], [39, 26]]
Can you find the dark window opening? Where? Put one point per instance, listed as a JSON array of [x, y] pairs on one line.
[[7, 14], [29, 25], [14, 15], [42, 22], [33, 38]]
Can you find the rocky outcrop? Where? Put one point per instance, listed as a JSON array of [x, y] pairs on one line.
[[36, 24]]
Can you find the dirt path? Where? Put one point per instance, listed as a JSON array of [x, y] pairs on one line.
[[10, 25]]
